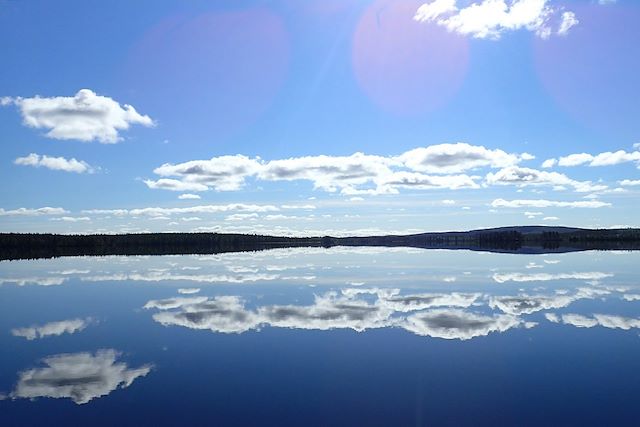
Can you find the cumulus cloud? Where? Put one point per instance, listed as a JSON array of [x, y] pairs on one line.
[[630, 182], [80, 377], [609, 158], [33, 212], [54, 163], [188, 196], [188, 291], [491, 18], [165, 212], [72, 219], [224, 173], [174, 185], [85, 116], [523, 177], [541, 203], [357, 174], [456, 158], [52, 329]]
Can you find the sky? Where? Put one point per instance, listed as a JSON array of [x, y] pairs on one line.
[[314, 117]]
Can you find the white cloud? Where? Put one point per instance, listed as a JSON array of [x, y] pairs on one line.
[[491, 18], [567, 22], [174, 185], [629, 182], [224, 173], [456, 158], [201, 209], [188, 196], [608, 158], [33, 212], [448, 202], [85, 116], [80, 377], [541, 203], [54, 163], [51, 329], [304, 207], [241, 217], [188, 291], [357, 174], [523, 177], [550, 218], [72, 219]]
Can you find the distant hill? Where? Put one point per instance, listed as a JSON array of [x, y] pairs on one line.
[[513, 239]]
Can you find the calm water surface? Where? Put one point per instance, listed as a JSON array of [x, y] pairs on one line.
[[341, 336]]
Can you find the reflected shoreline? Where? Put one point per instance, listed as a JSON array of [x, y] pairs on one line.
[[514, 240]]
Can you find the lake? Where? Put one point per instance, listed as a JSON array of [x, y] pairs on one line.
[[314, 336]]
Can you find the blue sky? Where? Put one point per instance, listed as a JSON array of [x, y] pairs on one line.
[[318, 116]]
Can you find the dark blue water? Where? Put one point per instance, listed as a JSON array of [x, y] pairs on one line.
[[368, 336]]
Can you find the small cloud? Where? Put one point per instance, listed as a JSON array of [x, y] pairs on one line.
[[54, 163], [85, 116], [33, 212], [72, 219], [489, 19], [189, 196]]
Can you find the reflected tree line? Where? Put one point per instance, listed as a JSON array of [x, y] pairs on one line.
[[510, 239]]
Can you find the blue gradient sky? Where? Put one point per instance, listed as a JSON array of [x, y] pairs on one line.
[[316, 81]]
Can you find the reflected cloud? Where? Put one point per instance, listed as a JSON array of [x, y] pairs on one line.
[[527, 304], [605, 320], [80, 377], [458, 324], [52, 329], [544, 277], [40, 281], [406, 303], [161, 276], [358, 309]]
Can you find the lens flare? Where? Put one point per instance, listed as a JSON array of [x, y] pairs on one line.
[[221, 69], [404, 66], [592, 73]]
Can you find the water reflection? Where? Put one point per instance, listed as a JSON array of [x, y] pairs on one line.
[[345, 310], [604, 320], [80, 377], [392, 298], [70, 326]]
